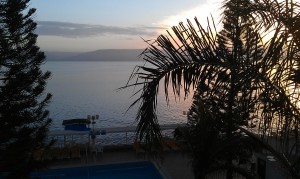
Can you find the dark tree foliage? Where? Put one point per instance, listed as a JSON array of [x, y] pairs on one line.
[[23, 118], [226, 98], [243, 80]]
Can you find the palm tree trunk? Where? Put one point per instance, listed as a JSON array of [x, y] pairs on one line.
[[229, 125], [230, 129]]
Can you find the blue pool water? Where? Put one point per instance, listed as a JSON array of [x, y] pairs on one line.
[[133, 170]]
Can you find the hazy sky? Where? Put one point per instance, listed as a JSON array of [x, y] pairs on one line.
[[77, 25]]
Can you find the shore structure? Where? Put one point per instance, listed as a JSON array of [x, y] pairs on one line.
[[106, 130], [175, 165], [89, 144]]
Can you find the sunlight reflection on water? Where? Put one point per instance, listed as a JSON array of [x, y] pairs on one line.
[[88, 88]]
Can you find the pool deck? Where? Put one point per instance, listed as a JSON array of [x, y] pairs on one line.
[[174, 164]]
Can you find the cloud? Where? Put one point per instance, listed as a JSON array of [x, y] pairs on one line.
[[202, 11], [73, 30]]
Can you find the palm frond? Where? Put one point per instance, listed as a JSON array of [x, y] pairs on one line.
[[239, 75]]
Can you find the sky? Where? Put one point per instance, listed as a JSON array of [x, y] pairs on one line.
[[81, 26]]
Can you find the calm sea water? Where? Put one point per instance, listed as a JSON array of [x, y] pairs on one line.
[[88, 88]]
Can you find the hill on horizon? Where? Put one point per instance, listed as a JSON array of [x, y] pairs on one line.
[[97, 55]]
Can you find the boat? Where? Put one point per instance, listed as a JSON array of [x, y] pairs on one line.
[[77, 124]]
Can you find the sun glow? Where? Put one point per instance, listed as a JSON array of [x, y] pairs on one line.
[[202, 12]]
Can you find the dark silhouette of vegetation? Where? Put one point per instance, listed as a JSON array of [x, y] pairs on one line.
[[245, 80], [24, 120], [226, 93]]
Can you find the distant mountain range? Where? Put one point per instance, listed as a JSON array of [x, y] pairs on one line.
[[98, 55]]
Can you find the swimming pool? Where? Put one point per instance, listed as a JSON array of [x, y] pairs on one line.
[[132, 170]]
